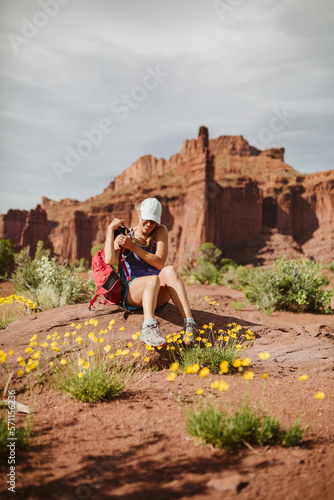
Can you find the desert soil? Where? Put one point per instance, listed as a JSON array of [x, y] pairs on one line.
[[136, 446]]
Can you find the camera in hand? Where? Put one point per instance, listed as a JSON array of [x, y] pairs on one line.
[[120, 230]]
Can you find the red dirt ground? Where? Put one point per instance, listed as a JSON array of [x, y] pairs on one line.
[[136, 446]]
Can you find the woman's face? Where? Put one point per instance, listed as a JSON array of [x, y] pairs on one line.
[[146, 226]]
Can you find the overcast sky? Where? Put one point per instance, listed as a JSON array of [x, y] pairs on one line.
[[89, 86]]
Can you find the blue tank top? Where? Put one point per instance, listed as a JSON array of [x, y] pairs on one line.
[[136, 266]]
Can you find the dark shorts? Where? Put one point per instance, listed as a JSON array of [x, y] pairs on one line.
[[125, 291]]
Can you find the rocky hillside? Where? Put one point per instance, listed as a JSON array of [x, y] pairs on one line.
[[248, 202]]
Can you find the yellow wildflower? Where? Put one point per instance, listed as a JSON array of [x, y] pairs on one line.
[[63, 361], [223, 386], [215, 384], [91, 353], [122, 328], [236, 363], [86, 365], [81, 361], [199, 392], [20, 373], [135, 354], [171, 377], [303, 378], [204, 372], [174, 366], [319, 395], [265, 376], [110, 356], [245, 362], [147, 359], [80, 374], [224, 366], [264, 355], [107, 348], [248, 375]]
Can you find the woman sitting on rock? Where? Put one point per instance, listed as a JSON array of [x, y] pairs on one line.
[[151, 284]]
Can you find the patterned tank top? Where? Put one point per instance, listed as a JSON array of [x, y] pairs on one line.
[[136, 266]]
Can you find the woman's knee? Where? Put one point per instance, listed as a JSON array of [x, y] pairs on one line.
[[168, 274], [152, 281]]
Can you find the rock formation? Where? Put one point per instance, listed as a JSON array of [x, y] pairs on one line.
[[249, 203]]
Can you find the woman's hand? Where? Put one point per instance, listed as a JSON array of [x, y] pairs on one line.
[[125, 241], [116, 223]]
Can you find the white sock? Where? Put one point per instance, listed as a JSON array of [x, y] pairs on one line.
[[149, 321], [189, 320]]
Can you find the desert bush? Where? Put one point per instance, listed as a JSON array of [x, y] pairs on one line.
[[206, 272], [244, 426], [45, 282], [80, 266], [236, 277], [295, 285], [225, 264], [216, 350], [7, 259], [212, 268]]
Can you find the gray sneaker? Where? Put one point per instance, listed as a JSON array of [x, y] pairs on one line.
[[190, 333], [151, 335]]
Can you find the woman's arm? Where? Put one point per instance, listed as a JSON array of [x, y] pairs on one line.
[[111, 247], [157, 259]]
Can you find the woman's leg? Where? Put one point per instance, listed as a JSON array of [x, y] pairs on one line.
[[172, 286], [143, 292]]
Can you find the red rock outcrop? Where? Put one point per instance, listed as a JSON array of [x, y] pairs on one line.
[[249, 203], [24, 228]]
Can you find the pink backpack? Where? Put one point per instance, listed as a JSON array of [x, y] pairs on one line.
[[107, 281]]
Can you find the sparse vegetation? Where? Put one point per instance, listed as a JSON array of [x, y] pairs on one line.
[[295, 285], [7, 259], [45, 282]]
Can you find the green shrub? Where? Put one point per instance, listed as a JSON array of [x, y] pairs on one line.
[[7, 259], [295, 285], [45, 282], [294, 434], [211, 347], [225, 264], [245, 426], [208, 252], [98, 383], [206, 272], [236, 277], [80, 266], [210, 357]]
